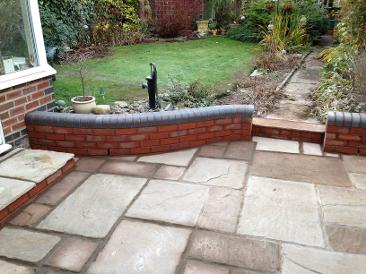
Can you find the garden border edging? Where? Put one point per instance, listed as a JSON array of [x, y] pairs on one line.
[[346, 133], [145, 133]]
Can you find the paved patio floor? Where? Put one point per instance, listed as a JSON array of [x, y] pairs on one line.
[[266, 206]]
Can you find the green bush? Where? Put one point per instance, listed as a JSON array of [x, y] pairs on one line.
[[64, 21], [192, 95], [76, 23], [259, 14], [317, 21], [247, 31]]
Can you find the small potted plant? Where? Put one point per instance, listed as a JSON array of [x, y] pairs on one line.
[[83, 104]]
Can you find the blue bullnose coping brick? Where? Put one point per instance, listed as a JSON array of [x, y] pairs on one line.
[[346, 119], [120, 121]]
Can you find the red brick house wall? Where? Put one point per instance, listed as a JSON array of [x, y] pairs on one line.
[[16, 102], [187, 10]]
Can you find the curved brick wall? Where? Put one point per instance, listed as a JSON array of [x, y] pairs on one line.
[[346, 133], [138, 133]]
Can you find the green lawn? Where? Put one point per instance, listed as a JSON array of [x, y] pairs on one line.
[[214, 61]]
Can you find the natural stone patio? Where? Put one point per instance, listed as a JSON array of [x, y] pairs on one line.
[[266, 206]]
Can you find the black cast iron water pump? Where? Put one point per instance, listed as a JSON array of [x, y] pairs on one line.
[[152, 88]]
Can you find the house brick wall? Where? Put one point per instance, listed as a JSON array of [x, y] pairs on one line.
[[346, 133], [17, 101], [187, 10]]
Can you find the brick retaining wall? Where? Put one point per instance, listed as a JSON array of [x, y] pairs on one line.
[[346, 133], [288, 130], [130, 134], [17, 101]]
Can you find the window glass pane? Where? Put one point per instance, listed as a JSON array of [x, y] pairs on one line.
[[17, 50]]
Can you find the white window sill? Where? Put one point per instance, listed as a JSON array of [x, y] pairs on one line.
[[29, 75]]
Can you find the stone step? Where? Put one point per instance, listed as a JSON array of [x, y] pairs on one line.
[[25, 174], [289, 130]]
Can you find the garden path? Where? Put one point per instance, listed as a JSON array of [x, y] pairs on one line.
[[296, 104]]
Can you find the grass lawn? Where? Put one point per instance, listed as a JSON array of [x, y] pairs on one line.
[[215, 61]]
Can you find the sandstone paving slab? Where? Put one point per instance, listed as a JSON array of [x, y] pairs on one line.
[[11, 268], [268, 144], [347, 239], [129, 168], [240, 151], [253, 254], [141, 248], [72, 254], [195, 267], [306, 260], [30, 215], [35, 165], [341, 196], [281, 210], [358, 180], [59, 191], [312, 149], [123, 158], [355, 164], [300, 168], [89, 164], [169, 172], [25, 245], [11, 190], [177, 158], [93, 208], [212, 151], [221, 210], [345, 215], [217, 172], [343, 206], [170, 202]]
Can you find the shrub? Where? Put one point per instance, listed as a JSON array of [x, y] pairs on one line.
[[287, 33], [258, 15], [64, 22], [75, 23], [192, 95], [116, 22], [247, 31], [317, 21]]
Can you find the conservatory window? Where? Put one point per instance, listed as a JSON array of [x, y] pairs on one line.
[[22, 53]]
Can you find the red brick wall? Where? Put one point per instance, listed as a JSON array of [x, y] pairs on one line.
[[187, 10], [346, 133], [15, 102], [345, 140], [144, 140], [288, 130]]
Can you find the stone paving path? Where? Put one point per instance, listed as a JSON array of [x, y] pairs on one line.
[[296, 106], [266, 206]]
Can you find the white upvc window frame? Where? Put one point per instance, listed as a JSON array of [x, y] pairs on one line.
[[43, 69]]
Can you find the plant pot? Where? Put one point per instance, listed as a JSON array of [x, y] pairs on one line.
[[202, 26], [83, 104]]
